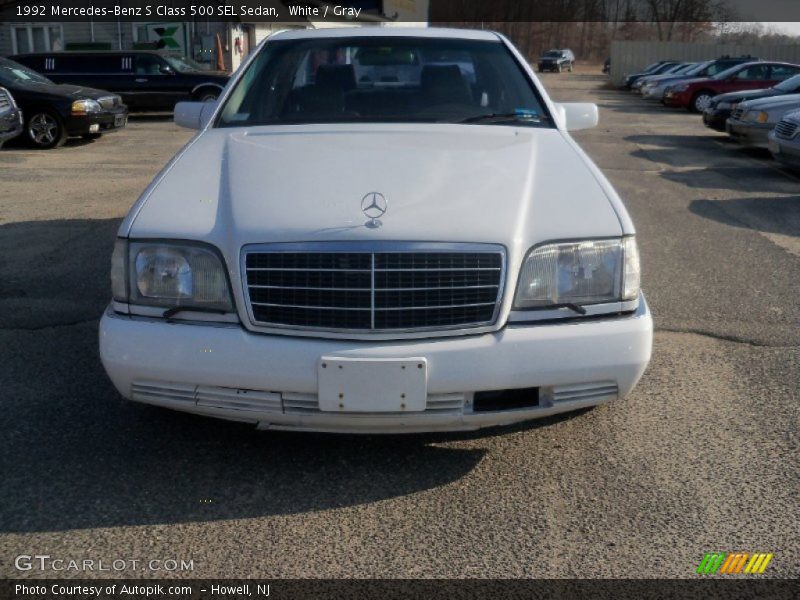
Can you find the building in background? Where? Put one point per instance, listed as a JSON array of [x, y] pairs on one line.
[[212, 43]]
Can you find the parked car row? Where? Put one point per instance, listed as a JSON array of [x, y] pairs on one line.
[[49, 97], [756, 102]]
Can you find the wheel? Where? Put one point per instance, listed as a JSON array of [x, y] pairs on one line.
[[45, 130], [558, 68], [570, 67], [208, 95], [701, 101]]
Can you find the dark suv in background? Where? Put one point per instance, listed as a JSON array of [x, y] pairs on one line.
[[146, 80], [557, 60]]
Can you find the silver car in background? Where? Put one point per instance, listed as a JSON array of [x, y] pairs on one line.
[[10, 117], [751, 121], [784, 141]]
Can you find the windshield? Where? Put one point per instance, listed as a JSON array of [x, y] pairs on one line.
[[12, 73], [699, 68], [684, 69], [789, 85], [675, 69], [384, 79], [727, 72], [553, 54], [183, 63]]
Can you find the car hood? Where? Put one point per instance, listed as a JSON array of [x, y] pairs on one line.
[[746, 95], [63, 90], [693, 80], [450, 183], [787, 100], [670, 79]]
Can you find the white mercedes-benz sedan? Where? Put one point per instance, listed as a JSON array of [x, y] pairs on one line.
[[378, 230]]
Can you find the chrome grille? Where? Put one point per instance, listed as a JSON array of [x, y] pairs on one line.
[[786, 129], [371, 287]]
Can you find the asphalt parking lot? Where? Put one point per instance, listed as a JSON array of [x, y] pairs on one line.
[[703, 456]]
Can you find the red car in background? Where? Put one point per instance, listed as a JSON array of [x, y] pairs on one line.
[[696, 94]]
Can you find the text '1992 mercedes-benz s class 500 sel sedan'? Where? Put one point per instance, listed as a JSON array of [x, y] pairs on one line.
[[378, 231]]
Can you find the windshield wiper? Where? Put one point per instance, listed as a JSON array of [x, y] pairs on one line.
[[570, 305], [510, 116]]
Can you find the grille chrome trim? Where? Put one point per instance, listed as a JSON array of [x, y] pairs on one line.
[[786, 129], [374, 295]]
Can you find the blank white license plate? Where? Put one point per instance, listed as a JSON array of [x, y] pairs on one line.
[[120, 120], [372, 385], [774, 147]]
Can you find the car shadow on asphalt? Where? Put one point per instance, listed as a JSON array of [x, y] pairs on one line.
[[779, 215], [153, 117], [76, 455]]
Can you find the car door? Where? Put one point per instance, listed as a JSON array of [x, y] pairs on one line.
[[751, 77], [158, 83]]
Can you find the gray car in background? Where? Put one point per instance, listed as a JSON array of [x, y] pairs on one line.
[[784, 141], [10, 117], [752, 120]]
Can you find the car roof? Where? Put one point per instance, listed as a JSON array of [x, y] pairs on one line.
[[767, 62], [387, 32], [98, 52]]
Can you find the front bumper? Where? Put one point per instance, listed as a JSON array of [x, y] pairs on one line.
[[749, 134], [715, 119], [786, 152], [653, 93], [227, 372], [549, 66], [11, 125], [103, 122], [677, 99]]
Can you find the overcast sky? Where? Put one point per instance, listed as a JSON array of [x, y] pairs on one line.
[[790, 27]]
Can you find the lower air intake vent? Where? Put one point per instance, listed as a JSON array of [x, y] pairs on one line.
[[585, 392]]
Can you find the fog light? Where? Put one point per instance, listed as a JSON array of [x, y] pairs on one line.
[[94, 128]]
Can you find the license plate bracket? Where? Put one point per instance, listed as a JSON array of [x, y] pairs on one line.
[[372, 385]]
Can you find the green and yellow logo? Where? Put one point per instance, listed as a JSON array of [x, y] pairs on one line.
[[732, 563]]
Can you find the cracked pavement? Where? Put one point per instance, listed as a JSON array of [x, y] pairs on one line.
[[702, 456]]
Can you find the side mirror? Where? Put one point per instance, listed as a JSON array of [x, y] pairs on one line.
[[579, 115], [167, 70], [194, 115]]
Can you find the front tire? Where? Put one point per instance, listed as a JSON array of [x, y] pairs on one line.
[[570, 67], [701, 101], [45, 130], [207, 95], [559, 68]]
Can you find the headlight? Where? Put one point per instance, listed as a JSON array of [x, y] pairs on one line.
[[723, 105], [585, 272], [762, 117], [169, 274], [681, 87], [83, 107]]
